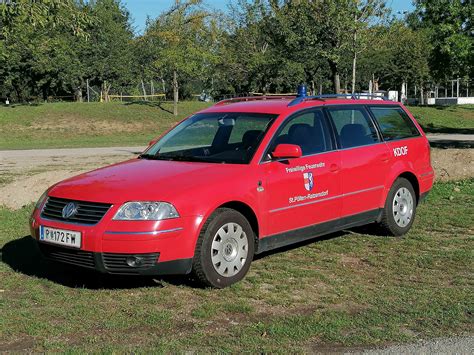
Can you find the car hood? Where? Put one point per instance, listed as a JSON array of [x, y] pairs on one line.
[[144, 180]]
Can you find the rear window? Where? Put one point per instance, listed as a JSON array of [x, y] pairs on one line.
[[394, 123]]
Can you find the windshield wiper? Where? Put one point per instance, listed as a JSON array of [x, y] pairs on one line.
[[173, 157], [151, 157], [184, 158]]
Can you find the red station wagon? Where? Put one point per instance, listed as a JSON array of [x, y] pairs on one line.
[[242, 177]]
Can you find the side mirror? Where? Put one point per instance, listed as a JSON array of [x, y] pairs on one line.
[[287, 151], [153, 141]]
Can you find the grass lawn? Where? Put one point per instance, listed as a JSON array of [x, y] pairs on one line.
[[352, 289], [445, 119], [61, 125]]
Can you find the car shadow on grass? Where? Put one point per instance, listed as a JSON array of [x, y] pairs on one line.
[[23, 255]]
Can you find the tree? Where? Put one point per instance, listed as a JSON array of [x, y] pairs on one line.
[[449, 26], [401, 56], [108, 53], [65, 14], [36, 56], [182, 42], [365, 13]]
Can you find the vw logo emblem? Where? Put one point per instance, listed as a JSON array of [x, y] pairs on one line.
[[69, 210]]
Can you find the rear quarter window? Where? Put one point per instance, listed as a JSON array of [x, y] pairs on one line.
[[394, 123]]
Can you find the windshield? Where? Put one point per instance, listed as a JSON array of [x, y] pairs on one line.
[[224, 137]]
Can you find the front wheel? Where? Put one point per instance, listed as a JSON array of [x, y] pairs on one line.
[[224, 250], [400, 208]]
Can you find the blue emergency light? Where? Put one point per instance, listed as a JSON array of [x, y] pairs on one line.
[[301, 90]]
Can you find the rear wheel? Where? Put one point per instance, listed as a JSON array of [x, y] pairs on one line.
[[224, 249], [400, 208]]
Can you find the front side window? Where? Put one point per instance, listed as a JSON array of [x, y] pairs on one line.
[[354, 127], [224, 137], [307, 130], [394, 123]]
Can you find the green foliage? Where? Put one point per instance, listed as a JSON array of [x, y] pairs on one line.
[[182, 41], [449, 24], [51, 47], [107, 55], [399, 56]]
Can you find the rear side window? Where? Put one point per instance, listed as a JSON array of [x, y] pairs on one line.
[[394, 123], [353, 126]]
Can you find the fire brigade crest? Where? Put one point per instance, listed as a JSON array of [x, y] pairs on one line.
[[308, 181]]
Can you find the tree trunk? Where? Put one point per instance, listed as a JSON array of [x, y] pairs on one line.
[[45, 93], [354, 65], [78, 94], [354, 58], [144, 91], [175, 93], [335, 77], [106, 89], [163, 85]]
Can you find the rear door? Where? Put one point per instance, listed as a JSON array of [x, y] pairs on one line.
[[405, 142], [302, 192], [364, 158]]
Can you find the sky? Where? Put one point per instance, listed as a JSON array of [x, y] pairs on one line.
[[140, 9]]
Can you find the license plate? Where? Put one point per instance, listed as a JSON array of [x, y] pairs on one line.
[[60, 236]]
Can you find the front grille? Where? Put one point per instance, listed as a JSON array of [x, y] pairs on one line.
[[117, 263], [87, 212], [68, 256]]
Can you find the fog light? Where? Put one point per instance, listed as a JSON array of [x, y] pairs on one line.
[[134, 261]]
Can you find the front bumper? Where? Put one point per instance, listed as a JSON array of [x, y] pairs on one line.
[[116, 263], [161, 248]]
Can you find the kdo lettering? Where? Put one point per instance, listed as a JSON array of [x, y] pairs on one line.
[[400, 151]]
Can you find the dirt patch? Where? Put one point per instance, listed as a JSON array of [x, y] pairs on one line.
[[25, 344], [25, 190], [453, 164]]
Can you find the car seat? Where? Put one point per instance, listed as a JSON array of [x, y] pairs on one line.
[[353, 135]]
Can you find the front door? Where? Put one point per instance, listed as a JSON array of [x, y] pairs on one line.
[[304, 191]]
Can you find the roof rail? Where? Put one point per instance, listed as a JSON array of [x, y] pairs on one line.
[[354, 96], [253, 98]]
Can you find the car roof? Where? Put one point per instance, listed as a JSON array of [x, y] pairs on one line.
[[281, 105]]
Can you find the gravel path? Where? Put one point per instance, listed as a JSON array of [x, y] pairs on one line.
[[34, 158], [444, 140]]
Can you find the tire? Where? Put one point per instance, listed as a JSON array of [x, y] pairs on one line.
[[224, 249], [399, 212]]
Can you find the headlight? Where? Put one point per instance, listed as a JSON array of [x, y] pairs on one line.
[[41, 200], [146, 211]]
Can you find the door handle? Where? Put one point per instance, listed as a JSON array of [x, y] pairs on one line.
[[334, 168]]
